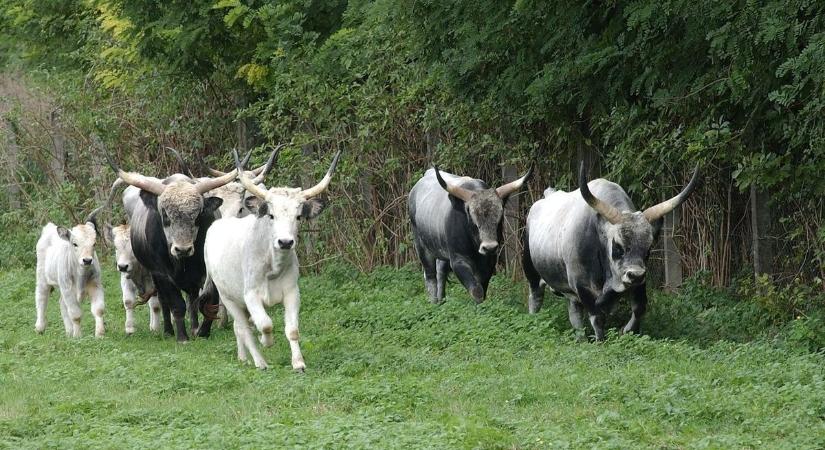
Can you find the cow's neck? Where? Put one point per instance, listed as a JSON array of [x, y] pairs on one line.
[[280, 261]]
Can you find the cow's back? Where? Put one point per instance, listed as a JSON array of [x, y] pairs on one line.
[[53, 256], [437, 222], [563, 234]]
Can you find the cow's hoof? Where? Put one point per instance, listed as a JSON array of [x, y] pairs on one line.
[[263, 366], [437, 301], [300, 370]]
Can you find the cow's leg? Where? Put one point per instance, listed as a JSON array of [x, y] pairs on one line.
[[171, 299], [154, 314], [292, 305], [575, 312], [595, 313], [428, 263], [442, 271], [192, 308], [167, 319], [465, 273], [129, 307], [127, 287], [41, 300], [70, 299], [243, 334], [97, 306], [638, 306], [536, 298], [254, 304], [68, 325]]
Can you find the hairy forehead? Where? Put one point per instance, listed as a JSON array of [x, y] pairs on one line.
[[120, 232], [634, 228], [181, 200], [84, 232], [486, 203]]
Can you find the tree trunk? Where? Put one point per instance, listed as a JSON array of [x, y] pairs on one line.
[[510, 246], [761, 218], [12, 162], [58, 157], [673, 260]]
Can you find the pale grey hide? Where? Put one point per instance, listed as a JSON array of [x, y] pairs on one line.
[[592, 252], [135, 281], [253, 264], [66, 260]]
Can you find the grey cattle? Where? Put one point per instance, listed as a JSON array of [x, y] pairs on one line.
[[66, 259], [457, 225], [591, 246]]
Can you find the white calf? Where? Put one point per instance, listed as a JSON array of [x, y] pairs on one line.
[[66, 259], [253, 264], [135, 281]]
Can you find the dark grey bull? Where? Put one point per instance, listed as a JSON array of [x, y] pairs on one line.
[[457, 225], [169, 219], [591, 246]]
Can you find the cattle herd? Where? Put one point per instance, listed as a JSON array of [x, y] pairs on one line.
[[227, 243]]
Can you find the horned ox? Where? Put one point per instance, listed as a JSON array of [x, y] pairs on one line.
[[252, 263], [169, 220], [457, 225], [231, 195], [135, 281], [591, 246], [66, 259]]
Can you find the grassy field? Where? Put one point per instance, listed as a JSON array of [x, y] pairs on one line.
[[386, 369]]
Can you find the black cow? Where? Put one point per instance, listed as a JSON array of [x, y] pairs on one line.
[[169, 220], [457, 225]]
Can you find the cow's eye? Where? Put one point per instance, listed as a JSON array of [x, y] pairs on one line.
[[618, 251], [271, 216], [240, 211], [74, 244]]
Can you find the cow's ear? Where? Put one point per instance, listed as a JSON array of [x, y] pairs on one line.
[[657, 227], [211, 204], [312, 208], [64, 234], [263, 209], [252, 204]]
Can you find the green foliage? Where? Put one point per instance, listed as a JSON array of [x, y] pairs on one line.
[[388, 369]]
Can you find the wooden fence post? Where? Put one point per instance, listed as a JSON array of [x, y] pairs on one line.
[[12, 162], [510, 246], [761, 218], [673, 260]]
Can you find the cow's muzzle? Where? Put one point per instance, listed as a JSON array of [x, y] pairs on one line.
[[183, 251], [487, 248], [634, 277], [123, 268]]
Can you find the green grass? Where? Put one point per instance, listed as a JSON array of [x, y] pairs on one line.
[[386, 369]]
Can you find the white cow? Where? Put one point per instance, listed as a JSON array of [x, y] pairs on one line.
[[66, 259], [253, 264], [135, 281]]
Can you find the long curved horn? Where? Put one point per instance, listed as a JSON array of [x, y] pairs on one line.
[[245, 181], [656, 212], [508, 189], [92, 217], [183, 166], [610, 213], [263, 171], [212, 183], [322, 185], [135, 179], [112, 191], [456, 191]]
